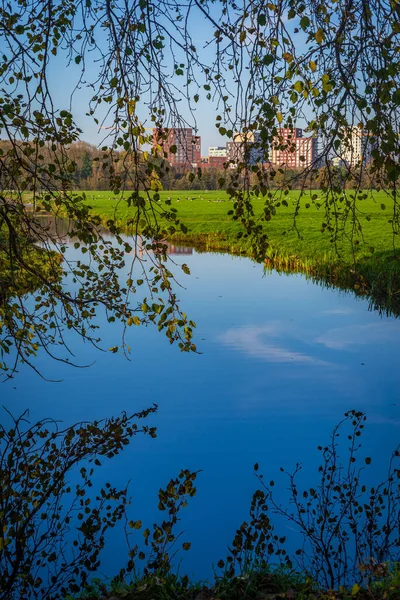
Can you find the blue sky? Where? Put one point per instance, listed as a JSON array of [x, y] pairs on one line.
[[63, 77]]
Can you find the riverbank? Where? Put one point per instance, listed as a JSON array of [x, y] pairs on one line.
[[366, 262], [256, 584]]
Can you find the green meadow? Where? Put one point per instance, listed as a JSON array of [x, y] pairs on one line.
[[205, 215], [365, 260]]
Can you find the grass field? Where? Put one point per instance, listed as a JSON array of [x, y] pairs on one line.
[[205, 215], [367, 261]]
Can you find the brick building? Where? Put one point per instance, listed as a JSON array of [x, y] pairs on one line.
[[188, 146], [293, 151], [217, 162]]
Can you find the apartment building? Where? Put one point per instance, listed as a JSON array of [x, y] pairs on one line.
[[188, 146], [355, 148], [217, 152], [245, 147], [293, 151]]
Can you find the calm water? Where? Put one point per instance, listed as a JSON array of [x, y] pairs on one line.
[[281, 360]]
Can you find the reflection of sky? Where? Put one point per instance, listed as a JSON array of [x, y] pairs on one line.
[[353, 336], [281, 361], [266, 343]]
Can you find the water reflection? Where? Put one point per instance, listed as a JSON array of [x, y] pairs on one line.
[[347, 338], [57, 230], [264, 343], [281, 361]]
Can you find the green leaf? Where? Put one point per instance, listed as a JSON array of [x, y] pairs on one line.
[[186, 269], [304, 22], [396, 97], [262, 20]]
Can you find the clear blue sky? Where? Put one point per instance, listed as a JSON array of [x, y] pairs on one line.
[[63, 79]]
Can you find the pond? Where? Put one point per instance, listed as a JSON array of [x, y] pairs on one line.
[[281, 359]]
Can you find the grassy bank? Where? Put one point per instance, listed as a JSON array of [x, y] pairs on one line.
[[254, 584], [367, 262]]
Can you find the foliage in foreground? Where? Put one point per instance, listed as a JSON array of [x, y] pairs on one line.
[[256, 584], [53, 532]]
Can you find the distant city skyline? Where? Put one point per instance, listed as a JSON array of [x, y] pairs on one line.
[[289, 148]]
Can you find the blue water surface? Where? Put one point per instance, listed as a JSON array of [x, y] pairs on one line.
[[281, 359]]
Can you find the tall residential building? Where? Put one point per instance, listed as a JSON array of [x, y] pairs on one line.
[[188, 146], [234, 152], [290, 149], [217, 151], [196, 154], [355, 148], [245, 148]]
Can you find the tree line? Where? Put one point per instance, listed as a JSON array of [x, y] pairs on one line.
[[90, 167]]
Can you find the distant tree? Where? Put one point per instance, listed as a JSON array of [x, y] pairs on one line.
[[86, 169]]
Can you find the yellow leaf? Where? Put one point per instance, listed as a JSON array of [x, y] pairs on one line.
[[298, 86], [312, 65], [279, 117], [355, 589], [326, 86], [287, 56], [131, 107], [319, 36], [242, 36]]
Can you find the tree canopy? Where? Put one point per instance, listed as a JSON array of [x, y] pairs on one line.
[[328, 66]]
